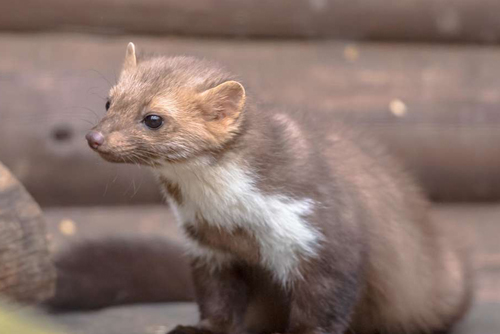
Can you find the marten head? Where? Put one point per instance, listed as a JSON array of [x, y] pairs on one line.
[[168, 109]]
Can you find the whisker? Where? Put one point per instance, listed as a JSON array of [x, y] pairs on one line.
[[101, 75], [105, 189], [139, 187]]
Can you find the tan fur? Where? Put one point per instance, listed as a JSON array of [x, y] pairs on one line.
[[416, 248], [192, 113], [295, 135], [222, 106], [171, 189], [273, 199], [130, 61]]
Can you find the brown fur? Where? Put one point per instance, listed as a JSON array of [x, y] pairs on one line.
[[382, 264], [237, 241], [99, 273], [166, 87], [171, 189]]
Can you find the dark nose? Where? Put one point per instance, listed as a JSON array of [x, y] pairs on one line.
[[95, 139]]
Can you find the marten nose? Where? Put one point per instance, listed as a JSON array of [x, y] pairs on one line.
[[95, 139]]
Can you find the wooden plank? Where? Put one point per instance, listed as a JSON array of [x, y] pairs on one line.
[[26, 271], [160, 318], [436, 107], [134, 319], [475, 223], [422, 20], [94, 224]]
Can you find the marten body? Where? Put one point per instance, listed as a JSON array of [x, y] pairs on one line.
[[295, 225]]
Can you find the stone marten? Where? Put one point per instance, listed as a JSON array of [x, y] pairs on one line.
[[295, 224]]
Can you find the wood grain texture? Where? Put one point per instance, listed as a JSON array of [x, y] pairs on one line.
[[475, 225], [436, 107], [478, 221], [409, 20], [26, 271], [160, 318]]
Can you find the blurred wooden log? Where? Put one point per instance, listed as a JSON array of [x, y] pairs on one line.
[[26, 272], [100, 228], [409, 20], [158, 318], [141, 319], [435, 106]]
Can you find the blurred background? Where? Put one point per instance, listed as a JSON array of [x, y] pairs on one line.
[[422, 75]]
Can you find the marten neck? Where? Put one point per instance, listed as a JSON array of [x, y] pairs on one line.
[[233, 159], [247, 190]]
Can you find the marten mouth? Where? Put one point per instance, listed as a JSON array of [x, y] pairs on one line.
[[114, 158], [110, 157]]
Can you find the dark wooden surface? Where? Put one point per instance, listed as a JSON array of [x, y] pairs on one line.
[[479, 222], [26, 271], [408, 20], [435, 106], [160, 318], [67, 226], [132, 319]]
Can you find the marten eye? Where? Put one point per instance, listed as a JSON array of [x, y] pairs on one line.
[[153, 121], [108, 104]]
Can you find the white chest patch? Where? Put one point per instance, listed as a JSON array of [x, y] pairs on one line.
[[227, 197]]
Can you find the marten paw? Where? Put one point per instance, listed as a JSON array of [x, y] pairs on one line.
[[189, 330]]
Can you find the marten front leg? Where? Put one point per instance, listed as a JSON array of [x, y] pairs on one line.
[[323, 300], [222, 297]]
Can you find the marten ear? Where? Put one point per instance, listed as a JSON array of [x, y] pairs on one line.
[[130, 59], [224, 102]]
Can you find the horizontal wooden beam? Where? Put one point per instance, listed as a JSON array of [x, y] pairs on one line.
[[126, 239], [410, 20], [436, 107]]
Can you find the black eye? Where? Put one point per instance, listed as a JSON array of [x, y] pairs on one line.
[[107, 105], [153, 121]]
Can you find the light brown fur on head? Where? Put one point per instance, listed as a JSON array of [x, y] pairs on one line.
[[200, 104]]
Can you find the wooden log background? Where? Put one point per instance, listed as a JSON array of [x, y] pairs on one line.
[[26, 271], [416, 20], [436, 107]]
